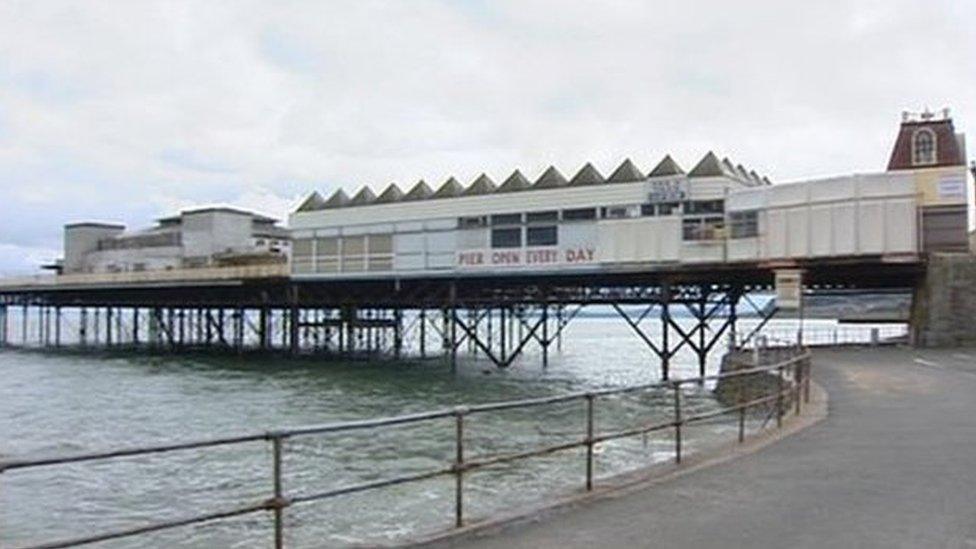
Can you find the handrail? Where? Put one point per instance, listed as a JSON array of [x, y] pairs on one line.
[[797, 365]]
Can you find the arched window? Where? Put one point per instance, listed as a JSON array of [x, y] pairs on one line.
[[923, 147]]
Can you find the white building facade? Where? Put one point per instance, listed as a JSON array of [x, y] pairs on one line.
[[204, 237]]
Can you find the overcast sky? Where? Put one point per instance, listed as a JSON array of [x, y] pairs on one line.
[[129, 110]]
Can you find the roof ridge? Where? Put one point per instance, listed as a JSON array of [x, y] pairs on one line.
[[626, 172], [587, 175]]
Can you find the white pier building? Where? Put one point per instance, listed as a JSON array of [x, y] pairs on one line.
[[717, 212]]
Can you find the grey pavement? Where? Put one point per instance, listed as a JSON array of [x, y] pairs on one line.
[[893, 465]]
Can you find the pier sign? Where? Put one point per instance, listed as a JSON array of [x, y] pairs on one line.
[[668, 190], [525, 257]]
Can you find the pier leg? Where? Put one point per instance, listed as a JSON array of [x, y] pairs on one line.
[[83, 326], [453, 328], [135, 326], [57, 326], [423, 333], [397, 333], [108, 326], [24, 335], [263, 328], [702, 325], [3, 325], [293, 322], [665, 331], [545, 335]]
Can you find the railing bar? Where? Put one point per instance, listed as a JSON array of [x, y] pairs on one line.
[[370, 485], [129, 452], [152, 527]]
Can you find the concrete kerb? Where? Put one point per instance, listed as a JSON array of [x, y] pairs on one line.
[[627, 483]]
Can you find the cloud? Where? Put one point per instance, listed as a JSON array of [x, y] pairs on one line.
[[129, 110]]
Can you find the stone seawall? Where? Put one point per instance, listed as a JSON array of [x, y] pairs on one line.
[[732, 391], [944, 303]]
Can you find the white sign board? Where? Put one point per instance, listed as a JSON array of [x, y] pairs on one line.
[[952, 187], [789, 289]]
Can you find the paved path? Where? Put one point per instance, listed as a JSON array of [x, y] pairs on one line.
[[893, 465]]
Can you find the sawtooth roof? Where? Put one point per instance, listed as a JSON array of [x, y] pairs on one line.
[[709, 165]]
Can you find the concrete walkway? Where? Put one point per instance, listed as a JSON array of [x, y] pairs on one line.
[[893, 465]]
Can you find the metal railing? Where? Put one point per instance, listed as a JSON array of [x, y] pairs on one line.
[[791, 369], [832, 336]]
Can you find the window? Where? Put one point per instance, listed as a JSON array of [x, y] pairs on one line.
[[923, 147], [327, 246], [472, 222], [541, 236], [381, 244], [668, 208], [506, 238], [744, 224], [535, 217], [615, 212], [704, 206], [506, 219], [579, 214], [702, 228]]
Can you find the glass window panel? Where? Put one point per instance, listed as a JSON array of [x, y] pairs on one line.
[[506, 238], [541, 236], [327, 246]]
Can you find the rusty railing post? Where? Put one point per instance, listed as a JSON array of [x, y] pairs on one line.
[[278, 499], [589, 441], [459, 466], [779, 397], [742, 409], [797, 385], [807, 363], [677, 422]]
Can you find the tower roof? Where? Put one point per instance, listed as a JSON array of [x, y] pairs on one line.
[[949, 145]]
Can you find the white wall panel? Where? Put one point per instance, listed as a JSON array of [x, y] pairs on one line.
[[840, 188], [752, 199], [821, 230], [743, 249], [776, 234], [409, 243], [443, 242], [440, 261], [870, 227], [787, 195], [900, 230], [798, 231], [667, 232], [844, 228], [409, 262]]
